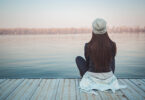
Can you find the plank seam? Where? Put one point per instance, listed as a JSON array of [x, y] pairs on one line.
[[76, 89], [77, 84], [131, 86], [2, 81], [57, 88], [120, 80], [64, 81], [135, 84], [47, 88], [100, 96], [35, 90], [15, 88], [124, 94], [143, 80]]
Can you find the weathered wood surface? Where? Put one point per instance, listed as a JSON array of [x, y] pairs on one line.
[[65, 89]]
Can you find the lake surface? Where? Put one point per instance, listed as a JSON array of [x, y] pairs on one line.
[[53, 56]]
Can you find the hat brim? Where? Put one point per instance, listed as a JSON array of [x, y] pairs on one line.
[[100, 32]]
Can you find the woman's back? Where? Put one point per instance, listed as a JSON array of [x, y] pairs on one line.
[[100, 53]]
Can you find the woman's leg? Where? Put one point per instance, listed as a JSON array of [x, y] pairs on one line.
[[81, 64]]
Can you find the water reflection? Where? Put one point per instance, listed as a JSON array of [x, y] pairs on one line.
[[52, 56]]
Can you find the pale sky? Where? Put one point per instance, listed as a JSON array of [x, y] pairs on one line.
[[70, 13]]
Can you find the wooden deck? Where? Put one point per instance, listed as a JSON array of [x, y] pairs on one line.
[[65, 89]]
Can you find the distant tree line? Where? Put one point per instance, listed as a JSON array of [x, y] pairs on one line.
[[15, 31], [44, 30], [125, 29]]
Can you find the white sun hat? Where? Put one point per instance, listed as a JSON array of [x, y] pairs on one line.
[[99, 26]]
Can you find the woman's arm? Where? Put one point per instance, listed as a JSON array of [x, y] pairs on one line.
[[112, 65], [86, 56]]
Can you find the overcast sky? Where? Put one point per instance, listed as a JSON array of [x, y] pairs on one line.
[[70, 13]]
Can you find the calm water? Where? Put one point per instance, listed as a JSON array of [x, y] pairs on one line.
[[53, 56]]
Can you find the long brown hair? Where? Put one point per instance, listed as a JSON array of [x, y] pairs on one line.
[[101, 50]]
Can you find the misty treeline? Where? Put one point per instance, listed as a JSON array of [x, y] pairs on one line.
[[15, 31]]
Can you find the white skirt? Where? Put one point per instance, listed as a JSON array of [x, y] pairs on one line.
[[91, 82]]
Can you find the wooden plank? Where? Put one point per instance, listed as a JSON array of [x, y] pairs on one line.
[[47, 90], [120, 95], [9, 88], [93, 97], [17, 90], [60, 91], [40, 92], [25, 90], [2, 80], [114, 96], [83, 95], [77, 89], [55, 89], [32, 89], [96, 97], [6, 85], [129, 91], [138, 83], [51, 88], [67, 90], [142, 81], [72, 90], [5, 82], [108, 96], [137, 89]]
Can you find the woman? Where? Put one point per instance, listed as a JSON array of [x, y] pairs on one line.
[[97, 71]]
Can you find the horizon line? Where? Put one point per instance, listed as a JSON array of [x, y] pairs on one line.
[[68, 27]]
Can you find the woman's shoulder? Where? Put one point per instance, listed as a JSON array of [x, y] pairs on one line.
[[113, 43], [86, 44]]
